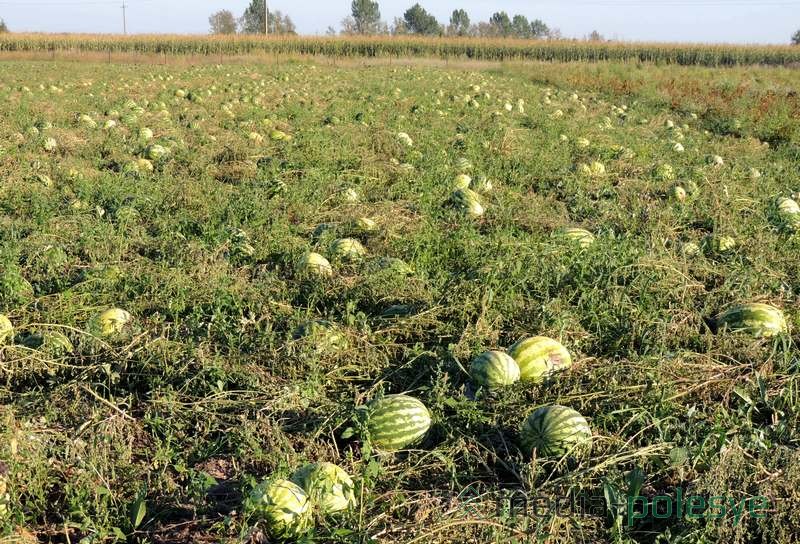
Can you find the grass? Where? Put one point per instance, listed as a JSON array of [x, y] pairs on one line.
[[209, 393]]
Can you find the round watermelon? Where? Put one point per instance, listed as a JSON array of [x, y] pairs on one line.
[[347, 249], [716, 244], [468, 201], [322, 334], [494, 369], [463, 181], [314, 263], [285, 507], [554, 431], [760, 320], [109, 323], [393, 264], [364, 225], [327, 485], [463, 164], [155, 152], [787, 206], [539, 357], [397, 421], [582, 237], [482, 184], [50, 342], [6, 329]]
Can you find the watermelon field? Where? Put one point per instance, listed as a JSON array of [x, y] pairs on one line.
[[405, 303]]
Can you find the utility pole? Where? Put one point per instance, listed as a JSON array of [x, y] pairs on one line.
[[266, 18], [124, 19]]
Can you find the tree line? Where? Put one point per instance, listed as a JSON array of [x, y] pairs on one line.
[[365, 18], [251, 21]]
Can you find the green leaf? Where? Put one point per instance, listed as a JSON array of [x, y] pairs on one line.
[[348, 433], [139, 508], [678, 456]]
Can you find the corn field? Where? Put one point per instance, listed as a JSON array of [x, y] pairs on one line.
[[445, 48]]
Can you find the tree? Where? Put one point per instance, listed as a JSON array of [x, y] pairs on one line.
[[539, 30], [595, 36], [419, 21], [500, 23], [222, 22], [252, 22], [366, 16], [459, 23], [3, 26], [520, 27], [796, 38], [399, 27]]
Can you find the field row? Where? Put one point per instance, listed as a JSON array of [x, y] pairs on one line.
[[446, 48]]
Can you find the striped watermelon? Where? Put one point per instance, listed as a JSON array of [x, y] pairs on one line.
[[482, 184], [109, 323], [328, 486], [463, 181], [539, 357], [285, 507], [468, 201], [494, 369], [393, 264], [322, 334], [52, 343], [582, 237], [463, 164], [760, 320], [715, 244], [554, 431], [787, 206], [364, 225], [397, 421], [6, 329], [347, 249], [789, 212], [314, 263]]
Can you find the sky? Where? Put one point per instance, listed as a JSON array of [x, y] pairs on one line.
[[729, 21]]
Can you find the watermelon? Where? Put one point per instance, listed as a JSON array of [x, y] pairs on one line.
[[463, 164], [787, 207], [690, 249], [322, 334], [397, 421], [554, 431], [396, 311], [393, 264], [468, 201], [364, 225], [350, 195], [719, 245], [789, 212], [327, 485], [582, 237], [494, 369], [539, 357], [347, 249], [482, 184], [678, 193], [314, 263], [285, 507], [52, 343], [759, 320], [6, 329], [109, 323], [155, 152], [462, 181]]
